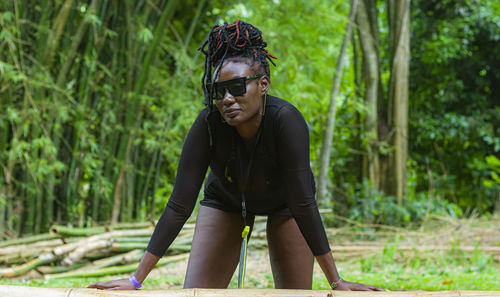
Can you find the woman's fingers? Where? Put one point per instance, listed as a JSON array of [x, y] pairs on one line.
[[102, 285], [121, 284], [349, 286], [97, 285]]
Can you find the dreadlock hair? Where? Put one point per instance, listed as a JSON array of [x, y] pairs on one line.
[[238, 40]]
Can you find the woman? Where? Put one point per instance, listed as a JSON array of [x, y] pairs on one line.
[[257, 147]]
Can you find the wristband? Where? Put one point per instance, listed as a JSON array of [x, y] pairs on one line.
[[135, 283], [334, 285]]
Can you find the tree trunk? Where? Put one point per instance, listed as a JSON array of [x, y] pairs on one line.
[[371, 77], [337, 76], [399, 48]]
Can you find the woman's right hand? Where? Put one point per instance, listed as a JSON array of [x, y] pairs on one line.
[[119, 284]]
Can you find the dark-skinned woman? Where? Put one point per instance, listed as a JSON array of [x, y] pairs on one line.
[[257, 148]]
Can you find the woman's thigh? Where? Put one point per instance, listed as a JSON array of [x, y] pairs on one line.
[[291, 259], [215, 248]]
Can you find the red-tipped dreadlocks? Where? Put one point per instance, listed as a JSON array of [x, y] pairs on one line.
[[236, 40]]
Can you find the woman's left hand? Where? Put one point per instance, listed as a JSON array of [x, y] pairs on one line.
[[343, 285]]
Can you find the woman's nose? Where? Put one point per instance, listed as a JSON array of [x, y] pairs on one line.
[[228, 97]]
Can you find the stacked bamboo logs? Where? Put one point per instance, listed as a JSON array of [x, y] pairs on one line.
[[86, 252]]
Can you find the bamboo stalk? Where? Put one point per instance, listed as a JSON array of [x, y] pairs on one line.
[[78, 253], [137, 225], [134, 112], [22, 269], [29, 239], [127, 246], [57, 269], [70, 231], [106, 236], [29, 248], [76, 231], [132, 239], [132, 256], [98, 254], [117, 269]]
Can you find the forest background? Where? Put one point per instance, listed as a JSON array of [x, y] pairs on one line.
[[96, 98]]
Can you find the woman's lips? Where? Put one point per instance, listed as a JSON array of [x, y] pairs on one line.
[[231, 112]]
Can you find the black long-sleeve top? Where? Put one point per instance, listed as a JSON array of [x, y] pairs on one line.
[[280, 177]]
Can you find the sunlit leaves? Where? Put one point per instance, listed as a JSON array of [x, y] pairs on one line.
[[145, 35]]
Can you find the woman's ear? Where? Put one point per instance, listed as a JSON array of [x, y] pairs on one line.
[[264, 83]]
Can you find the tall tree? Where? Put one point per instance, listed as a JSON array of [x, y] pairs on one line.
[[398, 15], [368, 36], [337, 77]]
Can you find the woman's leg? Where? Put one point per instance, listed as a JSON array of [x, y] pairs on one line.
[[215, 249], [291, 259]]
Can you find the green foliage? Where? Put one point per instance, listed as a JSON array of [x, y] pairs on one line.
[[97, 104], [375, 207], [494, 165], [453, 113], [96, 110]]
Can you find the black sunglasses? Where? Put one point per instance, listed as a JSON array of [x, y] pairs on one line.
[[236, 86]]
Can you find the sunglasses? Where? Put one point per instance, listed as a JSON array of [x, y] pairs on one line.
[[236, 86]]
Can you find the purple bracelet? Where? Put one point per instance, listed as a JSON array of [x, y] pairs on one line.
[[133, 280]]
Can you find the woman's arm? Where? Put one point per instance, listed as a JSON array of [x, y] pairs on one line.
[[293, 151], [147, 264], [327, 264]]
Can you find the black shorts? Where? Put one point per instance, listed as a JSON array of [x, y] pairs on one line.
[[212, 202]]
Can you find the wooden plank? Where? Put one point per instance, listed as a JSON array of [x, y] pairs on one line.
[[18, 291]]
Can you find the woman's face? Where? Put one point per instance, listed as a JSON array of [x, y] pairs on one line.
[[244, 109]]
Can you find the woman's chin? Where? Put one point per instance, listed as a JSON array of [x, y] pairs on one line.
[[232, 121]]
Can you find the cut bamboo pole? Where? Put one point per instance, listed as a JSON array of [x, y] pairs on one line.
[[15, 291], [133, 256], [58, 230], [29, 239], [116, 269], [26, 248], [132, 239], [138, 225], [127, 258], [78, 253], [70, 231], [57, 269], [22, 269], [106, 236], [128, 246], [80, 248]]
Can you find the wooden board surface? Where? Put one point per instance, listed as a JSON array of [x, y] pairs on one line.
[[19, 291]]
